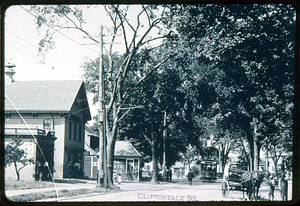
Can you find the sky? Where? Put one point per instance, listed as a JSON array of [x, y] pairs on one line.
[[64, 61]]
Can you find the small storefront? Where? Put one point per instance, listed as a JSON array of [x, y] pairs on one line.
[[127, 162]]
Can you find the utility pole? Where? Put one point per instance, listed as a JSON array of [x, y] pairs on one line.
[[102, 133]]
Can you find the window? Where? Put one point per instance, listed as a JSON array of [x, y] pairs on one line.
[[70, 130], [79, 137], [75, 131], [47, 124]]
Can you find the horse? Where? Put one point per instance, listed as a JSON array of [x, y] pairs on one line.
[[259, 178], [252, 181]]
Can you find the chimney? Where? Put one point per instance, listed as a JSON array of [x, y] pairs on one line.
[[9, 72]]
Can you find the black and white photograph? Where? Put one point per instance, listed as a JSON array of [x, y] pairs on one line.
[[149, 103]]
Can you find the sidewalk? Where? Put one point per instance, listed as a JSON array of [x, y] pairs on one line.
[[60, 184]]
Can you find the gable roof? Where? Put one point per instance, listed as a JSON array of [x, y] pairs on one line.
[[125, 148], [42, 96], [122, 148]]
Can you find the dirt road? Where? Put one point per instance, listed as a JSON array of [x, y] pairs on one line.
[[175, 191]]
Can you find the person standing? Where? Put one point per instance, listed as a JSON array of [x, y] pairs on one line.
[[119, 179], [70, 169], [271, 183], [284, 186], [170, 175], [190, 177]]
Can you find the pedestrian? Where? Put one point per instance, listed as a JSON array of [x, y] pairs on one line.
[[76, 170], [271, 183], [170, 175], [70, 169], [119, 179], [283, 186], [190, 177], [102, 174], [45, 172]]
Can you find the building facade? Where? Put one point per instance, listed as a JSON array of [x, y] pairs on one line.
[[127, 160], [58, 107]]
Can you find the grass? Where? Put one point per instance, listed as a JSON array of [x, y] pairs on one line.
[[62, 193], [11, 184]]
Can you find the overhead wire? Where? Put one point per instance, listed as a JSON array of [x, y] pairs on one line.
[[52, 66], [56, 30], [36, 46], [66, 47]]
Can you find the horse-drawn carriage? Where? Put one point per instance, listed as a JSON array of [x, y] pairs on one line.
[[242, 180]]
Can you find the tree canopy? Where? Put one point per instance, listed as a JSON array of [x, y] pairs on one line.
[[226, 70]]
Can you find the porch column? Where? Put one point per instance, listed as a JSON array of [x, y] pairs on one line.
[[139, 170], [91, 166]]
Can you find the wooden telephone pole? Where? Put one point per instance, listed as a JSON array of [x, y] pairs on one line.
[[102, 161]]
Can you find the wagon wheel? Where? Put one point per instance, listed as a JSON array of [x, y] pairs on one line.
[[225, 189]]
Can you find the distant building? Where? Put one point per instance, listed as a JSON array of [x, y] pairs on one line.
[[127, 159], [50, 108]]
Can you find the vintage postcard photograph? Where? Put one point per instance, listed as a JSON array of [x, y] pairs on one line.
[[149, 103]]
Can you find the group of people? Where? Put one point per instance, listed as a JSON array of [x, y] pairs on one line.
[[74, 170], [42, 171], [282, 185]]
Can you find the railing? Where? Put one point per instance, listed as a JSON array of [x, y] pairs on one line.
[[25, 131]]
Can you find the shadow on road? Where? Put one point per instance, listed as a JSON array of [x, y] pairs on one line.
[[70, 181]]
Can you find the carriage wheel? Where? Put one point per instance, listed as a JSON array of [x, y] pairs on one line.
[[225, 189]]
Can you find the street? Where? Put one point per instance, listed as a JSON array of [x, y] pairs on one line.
[[178, 190]]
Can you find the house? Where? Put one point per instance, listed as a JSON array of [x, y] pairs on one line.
[[127, 160], [55, 108]]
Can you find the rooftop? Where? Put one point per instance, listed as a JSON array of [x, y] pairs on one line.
[[42, 96]]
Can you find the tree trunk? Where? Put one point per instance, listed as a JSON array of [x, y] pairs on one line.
[[275, 161], [154, 156], [17, 171], [250, 140], [154, 164], [255, 158], [258, 147], [110, 158]]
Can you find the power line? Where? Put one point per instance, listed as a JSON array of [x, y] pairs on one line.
[[35, 46], [52, 66], [66, 47], [56, 30]]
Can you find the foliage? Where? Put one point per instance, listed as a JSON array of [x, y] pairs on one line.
[[253, 51], [136, 39], [15, 155], [195, 170], [158, 94], [229, 74]]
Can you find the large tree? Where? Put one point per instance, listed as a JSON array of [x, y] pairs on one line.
[[252, 46], [135, 34], [163, 105]]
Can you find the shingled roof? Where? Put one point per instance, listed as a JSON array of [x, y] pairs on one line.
[[125, 148], [122, 149], [42, 96]]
